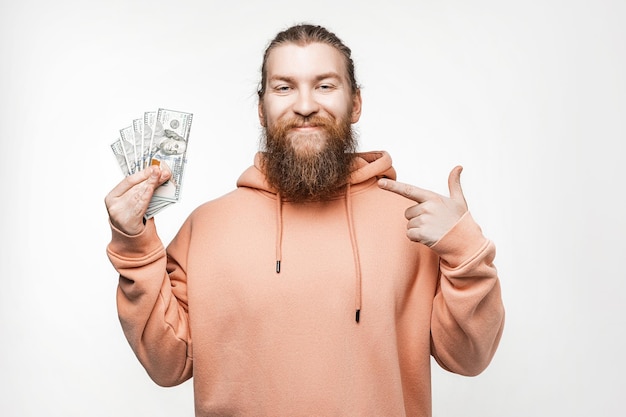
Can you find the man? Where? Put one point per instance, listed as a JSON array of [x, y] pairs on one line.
[[305, 291]]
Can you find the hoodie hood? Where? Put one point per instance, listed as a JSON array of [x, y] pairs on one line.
[[368, 167]]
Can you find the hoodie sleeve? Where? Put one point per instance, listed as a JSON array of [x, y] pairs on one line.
[[468, 314], [152, 303]]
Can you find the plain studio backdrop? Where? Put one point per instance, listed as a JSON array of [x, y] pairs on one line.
[[530, 97]]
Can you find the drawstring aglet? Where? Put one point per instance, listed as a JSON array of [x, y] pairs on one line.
[[278, 267], [358, 315]]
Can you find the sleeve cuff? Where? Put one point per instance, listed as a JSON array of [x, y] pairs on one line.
[[461, 242], [135, 246]]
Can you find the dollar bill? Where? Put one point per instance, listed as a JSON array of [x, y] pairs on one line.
[[138, 136], [156, 138], [155, 206], [170, 136], [120, 156], [127, 135], [149, 118]]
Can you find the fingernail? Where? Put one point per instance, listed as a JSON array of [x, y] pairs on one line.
[[382, 182]]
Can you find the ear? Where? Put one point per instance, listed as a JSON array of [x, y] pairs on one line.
[[356, 107], [261, 114]]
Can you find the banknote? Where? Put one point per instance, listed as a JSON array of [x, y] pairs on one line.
[[148, 123], [156, 138], [127, 135], [168, 145], [138, 136], [120, 156], [155, 206]]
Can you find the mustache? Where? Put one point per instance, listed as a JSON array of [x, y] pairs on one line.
[[310, 121]]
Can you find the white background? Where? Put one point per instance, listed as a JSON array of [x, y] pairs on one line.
[[529, 96]]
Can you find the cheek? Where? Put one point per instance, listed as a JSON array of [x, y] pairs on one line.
[[339, 109], [277, 118], [269, 115]]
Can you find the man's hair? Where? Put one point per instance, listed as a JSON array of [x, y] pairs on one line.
[[302, 35]]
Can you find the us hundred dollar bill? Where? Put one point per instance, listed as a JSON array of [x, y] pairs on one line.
[[120, 156], [148, 125], [156, 206], [168, 145], [156, 138], [128, 140], [138, 136]]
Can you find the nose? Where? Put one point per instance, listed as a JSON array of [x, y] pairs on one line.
[[305, 104]]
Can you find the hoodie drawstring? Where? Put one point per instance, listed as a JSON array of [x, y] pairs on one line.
[[353, 242], [279, 231], [355, 254]]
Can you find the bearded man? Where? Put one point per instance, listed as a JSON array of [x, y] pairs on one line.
[[359, 298]]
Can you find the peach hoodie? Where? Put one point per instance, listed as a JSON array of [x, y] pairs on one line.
[[264, 343]]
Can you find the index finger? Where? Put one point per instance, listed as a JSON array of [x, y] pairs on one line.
[[419, 195], [134, 179]]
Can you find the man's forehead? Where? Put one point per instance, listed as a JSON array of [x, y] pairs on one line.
[[291, 58]]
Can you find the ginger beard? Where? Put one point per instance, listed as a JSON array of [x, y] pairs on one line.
[[309, 166]]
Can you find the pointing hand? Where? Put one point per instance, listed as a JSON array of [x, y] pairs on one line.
[[434, 214]]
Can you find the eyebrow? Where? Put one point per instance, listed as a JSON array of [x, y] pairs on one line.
[[320, 77]]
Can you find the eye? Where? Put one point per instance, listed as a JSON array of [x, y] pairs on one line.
[[282, 88], [326, 87]]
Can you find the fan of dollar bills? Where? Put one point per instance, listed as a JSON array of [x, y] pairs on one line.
[[158, 138]]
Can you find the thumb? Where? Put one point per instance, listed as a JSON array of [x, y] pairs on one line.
[[454, 184]]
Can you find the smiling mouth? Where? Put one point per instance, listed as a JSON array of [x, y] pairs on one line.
[[306, 133], [306, 127]]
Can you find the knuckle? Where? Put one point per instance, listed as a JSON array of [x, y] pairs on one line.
[[413, 234], [109, 200]]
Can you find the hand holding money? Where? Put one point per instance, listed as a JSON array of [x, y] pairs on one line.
[[159, 137], [129, 200]]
